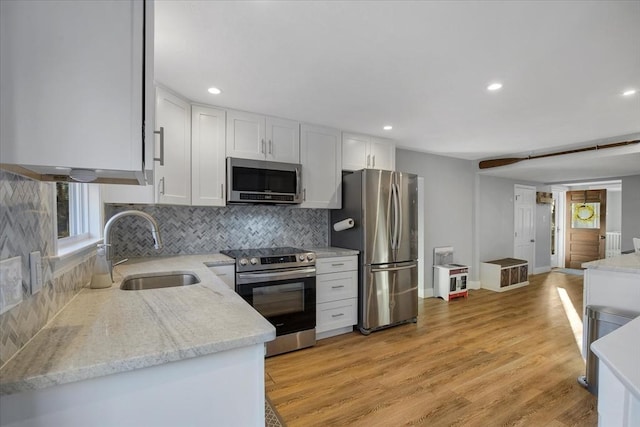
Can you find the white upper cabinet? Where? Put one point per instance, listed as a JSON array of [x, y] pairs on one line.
[[321, 158], [253, 136], [75, 77], [173, 169], [207, 156], [363, 151]]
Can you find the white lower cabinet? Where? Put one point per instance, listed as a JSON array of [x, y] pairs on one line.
[[336, 295]]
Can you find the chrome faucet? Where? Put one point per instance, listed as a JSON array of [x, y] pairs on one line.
[[155, 232]]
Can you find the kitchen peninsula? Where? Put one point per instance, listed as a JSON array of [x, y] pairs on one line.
[[152, 357]]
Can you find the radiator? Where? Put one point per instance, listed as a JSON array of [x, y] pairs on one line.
[[613, 244]]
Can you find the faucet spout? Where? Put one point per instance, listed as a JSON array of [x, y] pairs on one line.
[[155, 232]]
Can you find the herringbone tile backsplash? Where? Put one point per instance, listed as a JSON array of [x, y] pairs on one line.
[[193, 230], [26, 225]]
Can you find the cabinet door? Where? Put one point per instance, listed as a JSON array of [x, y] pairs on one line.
[[283, 140], [355, 151], [207, 156], [246, 135], [173, 179], [382, 154], [72, 78], [226, 273], [321, 158]]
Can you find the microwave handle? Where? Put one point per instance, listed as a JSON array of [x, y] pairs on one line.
[[298, 183]]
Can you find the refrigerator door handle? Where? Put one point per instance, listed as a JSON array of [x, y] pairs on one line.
[[396, 215], [399, 217], [406, 267]]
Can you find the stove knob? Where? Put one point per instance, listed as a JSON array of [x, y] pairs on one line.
[[243, 261], [310, 257], [301, 257], [254, 261]]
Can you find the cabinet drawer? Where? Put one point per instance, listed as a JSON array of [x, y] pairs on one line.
[[336, 314], [336, 264], [336, 286], [226, 273]]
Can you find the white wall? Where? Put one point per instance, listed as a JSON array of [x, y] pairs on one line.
[[448, 201], [630, 226], [614, 210]]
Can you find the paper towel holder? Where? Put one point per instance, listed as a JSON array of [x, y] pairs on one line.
[[345, 224]]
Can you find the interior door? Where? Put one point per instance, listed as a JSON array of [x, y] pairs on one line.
[[524, 223], [586, 214]]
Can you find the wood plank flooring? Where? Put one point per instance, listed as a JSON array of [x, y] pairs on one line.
[[493, 359]]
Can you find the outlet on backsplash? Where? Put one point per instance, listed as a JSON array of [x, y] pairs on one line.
[[35, 265], [10, 283]]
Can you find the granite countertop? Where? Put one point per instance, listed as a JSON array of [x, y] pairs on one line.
[[107, 331], [629, 263], [331, 251], [620, 351]]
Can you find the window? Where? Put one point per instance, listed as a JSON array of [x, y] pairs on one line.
[[72, 212]]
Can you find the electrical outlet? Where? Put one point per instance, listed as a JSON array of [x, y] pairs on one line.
[[10, 283], [35, 264]]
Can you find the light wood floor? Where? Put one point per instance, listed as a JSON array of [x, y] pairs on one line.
[[493, 359]]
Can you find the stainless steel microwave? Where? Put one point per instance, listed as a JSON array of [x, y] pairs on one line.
[[260, 181]]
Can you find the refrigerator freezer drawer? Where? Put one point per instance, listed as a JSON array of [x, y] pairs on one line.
[[389, 295]]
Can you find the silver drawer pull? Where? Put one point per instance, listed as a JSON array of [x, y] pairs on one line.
[[337, 264], [337, 315], [337, 287]]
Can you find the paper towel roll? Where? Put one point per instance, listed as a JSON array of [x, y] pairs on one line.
[[343, 225]]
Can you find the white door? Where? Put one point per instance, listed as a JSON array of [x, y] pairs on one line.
[[173, 178], [207, 156], [321, 158], [354, 151], [283, 140], [524, 204], [246, 135]]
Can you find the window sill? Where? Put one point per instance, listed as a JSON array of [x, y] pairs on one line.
[[70, 255]]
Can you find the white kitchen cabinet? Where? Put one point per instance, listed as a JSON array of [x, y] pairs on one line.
[[336, 295], [77, 88], [173, 171], [321, 159], [207, 156], [254, 136], [366, 152]]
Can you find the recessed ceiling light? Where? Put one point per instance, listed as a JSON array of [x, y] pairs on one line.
[[214, 91], [388, 127], [629, 92], [494, 86]]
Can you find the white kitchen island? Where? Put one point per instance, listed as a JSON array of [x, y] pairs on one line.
[[190, 355], [615, 282]]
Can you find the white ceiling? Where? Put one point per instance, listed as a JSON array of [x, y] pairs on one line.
[[422, 67]]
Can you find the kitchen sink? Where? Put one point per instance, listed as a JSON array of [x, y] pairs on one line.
[[160, 280]]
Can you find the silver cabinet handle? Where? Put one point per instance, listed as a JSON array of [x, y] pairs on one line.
[[161, 158], [337, 315], [338, 264], [368, 159], [262, 147], [222, 191], [270, 147], [161, 189], [374, 161], [337, 287], [304, 195]]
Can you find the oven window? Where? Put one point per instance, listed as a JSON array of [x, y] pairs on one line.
[[276, 300]]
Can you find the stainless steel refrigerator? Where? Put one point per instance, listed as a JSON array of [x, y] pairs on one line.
[[384, 207]]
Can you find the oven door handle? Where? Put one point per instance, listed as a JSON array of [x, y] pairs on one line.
[[291, 274]]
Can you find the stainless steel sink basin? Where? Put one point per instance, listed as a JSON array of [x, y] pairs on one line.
[[160, 280]]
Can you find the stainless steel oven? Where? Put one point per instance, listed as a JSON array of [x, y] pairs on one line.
[[280, 283]]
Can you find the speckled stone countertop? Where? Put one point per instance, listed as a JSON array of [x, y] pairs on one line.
[[620, 351], [330, 251], [107, 331], [629, 263]]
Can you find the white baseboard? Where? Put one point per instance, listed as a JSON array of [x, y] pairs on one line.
[[540, 270], [425, 293]]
